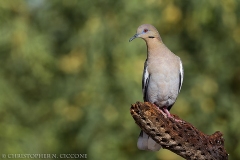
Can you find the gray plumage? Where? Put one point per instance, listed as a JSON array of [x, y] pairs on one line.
[[162, 77]]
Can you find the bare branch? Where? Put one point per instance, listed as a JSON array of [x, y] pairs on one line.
[[178, 135]]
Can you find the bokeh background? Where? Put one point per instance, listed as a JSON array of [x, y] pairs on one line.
[[68, 74]]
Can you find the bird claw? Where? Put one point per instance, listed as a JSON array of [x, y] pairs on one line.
[[167, 114], [165, 110]]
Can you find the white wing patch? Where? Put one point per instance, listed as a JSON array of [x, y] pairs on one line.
[[145, 77], [181, 74], [145, 80]]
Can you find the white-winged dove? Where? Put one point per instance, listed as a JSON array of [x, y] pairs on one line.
[[162, 77]]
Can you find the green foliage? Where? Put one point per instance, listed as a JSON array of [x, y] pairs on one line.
[[68, 73]]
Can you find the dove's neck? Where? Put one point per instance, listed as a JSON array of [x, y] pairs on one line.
[[154, 47]]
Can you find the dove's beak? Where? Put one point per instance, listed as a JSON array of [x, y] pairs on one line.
[[133, 37]]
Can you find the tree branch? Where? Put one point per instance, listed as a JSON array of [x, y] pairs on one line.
[[178, 135]]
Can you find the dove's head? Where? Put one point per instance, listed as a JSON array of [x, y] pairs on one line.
[[146, 32]]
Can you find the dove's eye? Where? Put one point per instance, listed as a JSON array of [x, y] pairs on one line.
[[145, 30]]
